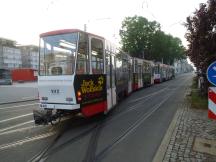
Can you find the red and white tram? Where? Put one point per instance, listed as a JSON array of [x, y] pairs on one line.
[[82, 72]]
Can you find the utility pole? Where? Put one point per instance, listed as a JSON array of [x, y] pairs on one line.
[[98, 19], [85, 27]]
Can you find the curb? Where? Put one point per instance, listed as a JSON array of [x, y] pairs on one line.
[[159, 156]]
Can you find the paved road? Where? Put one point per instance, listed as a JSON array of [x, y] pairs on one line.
[[131, 132]]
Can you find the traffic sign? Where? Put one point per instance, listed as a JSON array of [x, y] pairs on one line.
[[211, 73]]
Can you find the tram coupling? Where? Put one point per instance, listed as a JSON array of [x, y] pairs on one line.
[[44, 117]]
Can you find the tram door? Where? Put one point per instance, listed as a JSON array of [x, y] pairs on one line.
[[109, 82], [140, 83], [111, 89], [113, 68], [130, 72]]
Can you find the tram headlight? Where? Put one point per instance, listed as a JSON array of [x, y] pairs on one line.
[[79, 96]]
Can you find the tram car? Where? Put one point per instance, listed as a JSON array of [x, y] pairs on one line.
[[80, 72], [163, 72], [171, 72], [157, 73]]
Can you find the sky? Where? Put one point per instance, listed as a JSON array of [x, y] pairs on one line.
[[24, 20]]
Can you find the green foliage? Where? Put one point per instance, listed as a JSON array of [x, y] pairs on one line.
[[143, 38], [196, 99], [201, 35]]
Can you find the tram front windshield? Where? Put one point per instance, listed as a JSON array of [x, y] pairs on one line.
[[57, 54]]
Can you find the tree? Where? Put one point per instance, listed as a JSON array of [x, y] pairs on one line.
[[166, 47], [136, 34], [143, 38], [201, 35]]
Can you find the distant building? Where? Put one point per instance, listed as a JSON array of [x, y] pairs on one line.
[[30, 56], [14, 57], [10, 55]]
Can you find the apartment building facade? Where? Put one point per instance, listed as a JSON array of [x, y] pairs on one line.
[[13, 56], [10, 55], [30, 57]]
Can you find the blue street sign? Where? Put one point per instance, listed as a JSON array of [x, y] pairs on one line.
[[211, 73]]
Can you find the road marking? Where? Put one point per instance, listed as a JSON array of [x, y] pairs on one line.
[[8, 131], [29, 97], [26, 140], [15, 126], [10, 107], [16, 130], [17, 110], [17, 117]]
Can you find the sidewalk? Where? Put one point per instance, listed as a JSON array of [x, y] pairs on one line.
[[191, 137]]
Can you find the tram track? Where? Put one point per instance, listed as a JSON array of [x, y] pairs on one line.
[[129, 130], [94, 130], [90, 131], [49, 150], [95, 134]]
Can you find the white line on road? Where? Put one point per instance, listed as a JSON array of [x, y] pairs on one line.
[[10, 107], [29, 97], [26, 140], [16, 130], [17, 117], [15, 126], [8, 129]]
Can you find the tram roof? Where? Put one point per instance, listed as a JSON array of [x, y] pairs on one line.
[[64, 31]]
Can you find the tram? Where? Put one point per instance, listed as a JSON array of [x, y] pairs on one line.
[[163, 72], [80, 72]]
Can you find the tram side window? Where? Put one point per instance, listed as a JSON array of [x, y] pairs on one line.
[[97, 56], [82, 66], [135, 66], [130, 71]]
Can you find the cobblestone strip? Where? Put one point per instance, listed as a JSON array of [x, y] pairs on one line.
[[191, 123]]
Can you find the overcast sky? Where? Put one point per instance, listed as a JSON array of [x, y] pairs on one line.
[[24, 20]]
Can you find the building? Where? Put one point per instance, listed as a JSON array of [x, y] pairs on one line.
[[30, 56], [14, 57], [10, 55]]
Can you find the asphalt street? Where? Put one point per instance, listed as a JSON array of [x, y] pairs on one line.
[[133, 131], [18, 92]]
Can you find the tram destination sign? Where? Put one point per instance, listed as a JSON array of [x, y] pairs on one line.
[[211, 73]]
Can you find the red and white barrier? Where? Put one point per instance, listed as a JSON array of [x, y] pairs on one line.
[[212, 103]]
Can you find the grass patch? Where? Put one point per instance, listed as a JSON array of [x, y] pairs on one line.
[[197, 101]]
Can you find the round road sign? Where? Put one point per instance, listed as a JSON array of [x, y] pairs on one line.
[[211, 73]]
